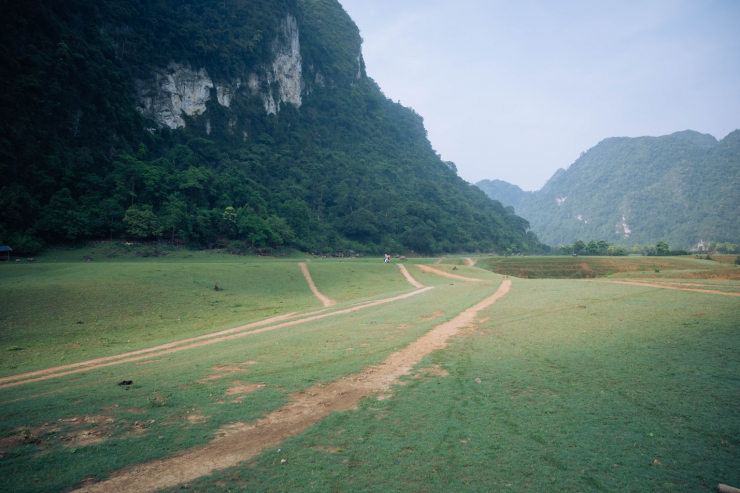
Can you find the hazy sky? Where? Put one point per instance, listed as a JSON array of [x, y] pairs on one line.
[[515, 90]]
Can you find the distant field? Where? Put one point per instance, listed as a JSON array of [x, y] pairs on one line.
[[561, 385], [590, 267]]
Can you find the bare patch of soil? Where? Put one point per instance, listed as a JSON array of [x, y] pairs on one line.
[[195, 419], [222, 371], [324, 299], [470, 262], [241, 389], [434, 315], [241, 441], [426, 268]]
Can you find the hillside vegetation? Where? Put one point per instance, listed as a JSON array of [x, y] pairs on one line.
[[680, 188], [347, 169]]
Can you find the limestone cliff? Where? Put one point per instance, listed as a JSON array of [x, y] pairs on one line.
[[179, 88]]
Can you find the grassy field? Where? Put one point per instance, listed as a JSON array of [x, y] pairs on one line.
[[591, 267], [562, 385]]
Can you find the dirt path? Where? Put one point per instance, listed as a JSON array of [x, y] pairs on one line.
[[408, 277], [242, 441], [214, 340], [93, 362], [470, 262], [426, 268], [325, 300], [635, 283], [438, 261]]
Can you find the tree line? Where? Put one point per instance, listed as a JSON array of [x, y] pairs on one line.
[[603, 248]]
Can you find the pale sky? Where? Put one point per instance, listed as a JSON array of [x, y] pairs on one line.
[[515, 90]]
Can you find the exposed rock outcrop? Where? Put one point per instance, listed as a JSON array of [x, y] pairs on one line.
[[180, 89], [286, 70], [175, 90]]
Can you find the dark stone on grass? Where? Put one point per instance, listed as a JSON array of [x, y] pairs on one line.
[[125, 382], [79, 322]]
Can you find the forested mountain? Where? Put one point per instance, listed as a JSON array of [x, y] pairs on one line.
[[681, 188], [247, 119], [504, 192]]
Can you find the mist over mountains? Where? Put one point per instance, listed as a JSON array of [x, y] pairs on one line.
[[681, 188]]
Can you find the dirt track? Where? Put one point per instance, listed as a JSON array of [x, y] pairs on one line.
[[93, 363], [408, 277], [652, 285], [432, 270], [115, 360], [325, 300], [243, 441], [470, 262]]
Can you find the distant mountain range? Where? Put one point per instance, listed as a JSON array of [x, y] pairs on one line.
[[682, 188]]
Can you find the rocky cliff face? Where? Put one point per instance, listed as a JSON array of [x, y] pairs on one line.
[[286, 69], [180, 89]]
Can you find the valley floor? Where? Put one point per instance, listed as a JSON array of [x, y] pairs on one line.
[[426, 375]]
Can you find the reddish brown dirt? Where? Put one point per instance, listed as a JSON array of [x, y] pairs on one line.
[[224, 371], [240, 390], [408, 277], [242, 441], [653, 285], [85, 366], [432, 270], [325, 300]]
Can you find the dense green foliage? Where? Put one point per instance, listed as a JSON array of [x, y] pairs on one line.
[[681, 188], [603, 248], [348, 169]]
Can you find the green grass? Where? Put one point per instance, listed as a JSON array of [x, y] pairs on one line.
[[590, 267], [584, 385], [57, 312], [346, 279], [570, 399], [167, 388]]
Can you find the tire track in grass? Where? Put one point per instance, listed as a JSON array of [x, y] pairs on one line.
[[408, 277], [432, 270], [215, 340], [646, 284], [324, 299], [96, 361], [242, 441]]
